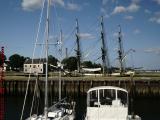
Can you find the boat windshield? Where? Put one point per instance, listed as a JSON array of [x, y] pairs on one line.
[[107, 97]]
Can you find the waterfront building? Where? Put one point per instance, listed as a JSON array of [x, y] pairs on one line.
[[35, 66]]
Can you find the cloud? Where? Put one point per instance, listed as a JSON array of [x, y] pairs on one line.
[[73, 6], [153, 50], [59, 2], [155, 18], [128, 17], [86, 36], [30, 5], [119, 9], [133, 7], [136, 31]]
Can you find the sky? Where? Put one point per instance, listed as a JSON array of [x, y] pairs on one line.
[[139, 21]]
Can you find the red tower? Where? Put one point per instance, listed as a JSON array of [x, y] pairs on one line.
[[2, 92]]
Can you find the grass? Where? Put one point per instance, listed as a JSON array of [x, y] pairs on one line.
[[54, 76]]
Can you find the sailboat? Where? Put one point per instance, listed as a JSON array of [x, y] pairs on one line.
[[62, 110]]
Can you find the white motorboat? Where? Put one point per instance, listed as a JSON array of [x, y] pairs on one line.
[[108, 103]]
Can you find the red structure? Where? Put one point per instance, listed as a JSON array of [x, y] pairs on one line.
[[2, 91]]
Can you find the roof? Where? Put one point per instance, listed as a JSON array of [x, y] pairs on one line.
[[107, 87], [35, 61]]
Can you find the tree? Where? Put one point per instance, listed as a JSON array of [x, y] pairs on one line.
[[70, 63], [16, 62], [52, 60], [95, 65], [87, 64]]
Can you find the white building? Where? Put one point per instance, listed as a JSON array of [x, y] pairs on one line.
[[37, 66]]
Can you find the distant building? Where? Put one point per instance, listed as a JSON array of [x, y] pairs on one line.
[[37, 66], [5, 66]]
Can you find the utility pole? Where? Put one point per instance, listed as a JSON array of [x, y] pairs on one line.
[[121, 52], [105, 58], [78, 52]]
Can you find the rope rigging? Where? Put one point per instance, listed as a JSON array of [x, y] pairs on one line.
[[33, 56]]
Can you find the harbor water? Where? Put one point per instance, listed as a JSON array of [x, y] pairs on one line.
[[146, 107]]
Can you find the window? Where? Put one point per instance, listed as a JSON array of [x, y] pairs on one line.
[[93, 98], [106, 96], [122, 96]]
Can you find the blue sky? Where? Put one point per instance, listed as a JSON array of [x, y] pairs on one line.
[[139, 20]]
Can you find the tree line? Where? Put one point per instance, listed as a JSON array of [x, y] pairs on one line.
[[15, 62]]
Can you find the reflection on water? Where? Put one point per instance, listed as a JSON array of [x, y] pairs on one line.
[[147, 108]]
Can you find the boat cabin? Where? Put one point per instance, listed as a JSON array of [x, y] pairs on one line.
[[107, 103]]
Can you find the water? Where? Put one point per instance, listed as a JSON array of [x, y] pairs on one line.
[[147, 108]]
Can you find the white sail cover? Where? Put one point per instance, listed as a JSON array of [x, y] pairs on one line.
[[92, 69]]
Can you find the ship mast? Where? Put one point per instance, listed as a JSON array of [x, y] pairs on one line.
[[121, 52], [78, 47], [105, 58], [46, 53]]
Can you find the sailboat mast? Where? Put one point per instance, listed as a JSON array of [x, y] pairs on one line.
[[46, 53], [60, 80]]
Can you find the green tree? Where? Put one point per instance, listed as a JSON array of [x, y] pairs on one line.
[[52, 60], [70, 63], [87, 64], [95, 65], [16, 61]]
